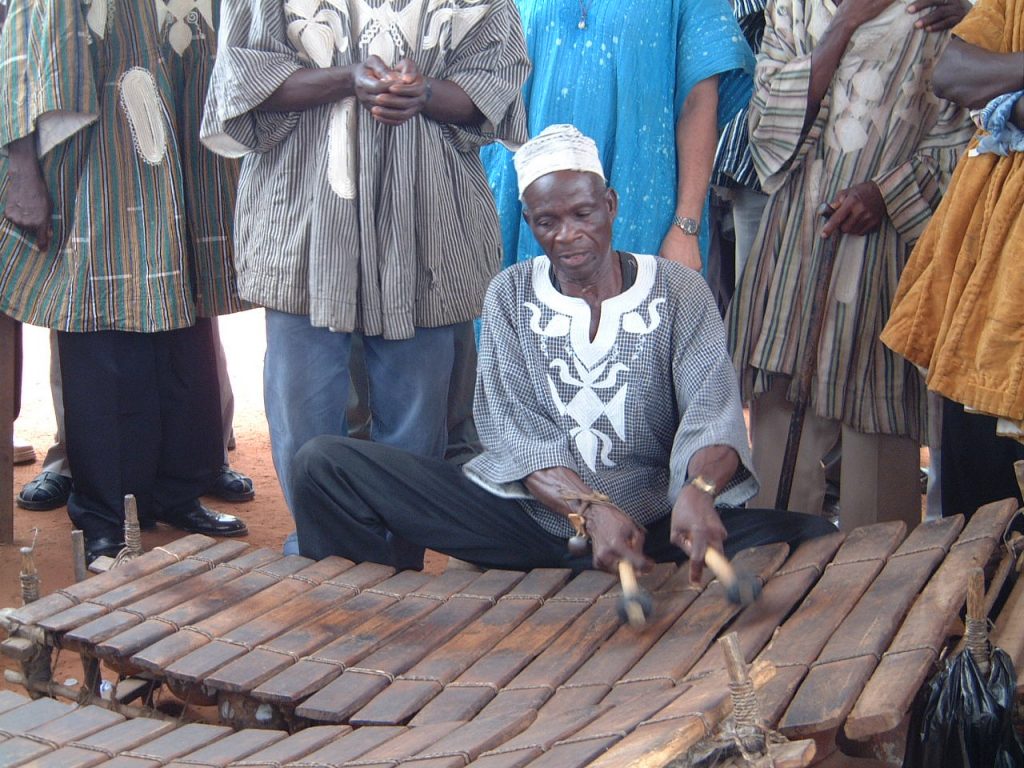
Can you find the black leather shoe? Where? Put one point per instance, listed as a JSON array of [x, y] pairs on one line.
[[46, 491], [231, 486], [204, 520], [100, 546]]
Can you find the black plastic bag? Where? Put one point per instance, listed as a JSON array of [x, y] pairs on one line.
[[967, 719]]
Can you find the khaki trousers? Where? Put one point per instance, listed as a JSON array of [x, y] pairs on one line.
[[879, 479]]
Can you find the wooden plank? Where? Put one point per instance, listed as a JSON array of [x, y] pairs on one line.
[[594, 679], [226, 751], [542, 734], [97, 748], [151, 561], [800, 639], [155, 640], [294, 747], [53, 734], [682, 645], [94, 632], [467, 695], [358, 684], [351, 746], [321, 667], [138, 589], [470, 740], [413, 689], [887, 697], [537, 682], [787, 587], [837, 677], [407, 744], [9, 379], [1009, 630], [339, 604], [270, 612], [20, 720], [168, 747]]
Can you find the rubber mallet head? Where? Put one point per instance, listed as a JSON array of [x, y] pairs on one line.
[[741, 588], [635, 605]]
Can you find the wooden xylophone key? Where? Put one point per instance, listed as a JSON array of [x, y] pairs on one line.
[[169, 746], [536, 683], [350, 747], [339, 605], [31, 714], [103, 745], [413, 689], [166, 577], [34, 743], [470, 692], [401, 748], [93, 633], [336, 701], [905, 666], [417, 596], [800, 639], [836, 678], [294, 747], [1009, 631], [542, 734], [467, 742], [781, 594], [273, 611], [225, 751], [151, 561], [682, 644]]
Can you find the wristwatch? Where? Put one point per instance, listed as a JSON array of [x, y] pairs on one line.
[[701, 484], [688, 225]]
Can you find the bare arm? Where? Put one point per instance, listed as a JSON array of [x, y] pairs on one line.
[[309, 88], [613, 534], [695, 521], [28, 203], [971, 76], [696, 141]]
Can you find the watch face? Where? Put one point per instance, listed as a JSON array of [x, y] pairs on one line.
[[688, 225]]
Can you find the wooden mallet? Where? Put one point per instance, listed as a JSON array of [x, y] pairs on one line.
[[635, 605], [741, 588]]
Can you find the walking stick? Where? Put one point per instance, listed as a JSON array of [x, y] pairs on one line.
[[809, 362]]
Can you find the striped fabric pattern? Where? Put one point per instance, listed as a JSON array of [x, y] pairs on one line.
[[878, 121], [359, 225], [128, 252]]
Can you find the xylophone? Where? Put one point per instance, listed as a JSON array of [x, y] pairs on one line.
[[501, 668]]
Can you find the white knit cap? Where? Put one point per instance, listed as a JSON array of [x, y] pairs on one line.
[[556, 148]]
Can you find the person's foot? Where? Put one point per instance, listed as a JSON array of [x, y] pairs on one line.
[[46, 491], [101, 546], [205, 520], [231, 486], [24, 453]]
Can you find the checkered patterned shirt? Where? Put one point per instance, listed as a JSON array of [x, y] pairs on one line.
[[625, 411]]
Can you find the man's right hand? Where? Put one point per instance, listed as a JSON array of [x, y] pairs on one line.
[[614, 537], [858, 12], [28, 205], [371, 79]]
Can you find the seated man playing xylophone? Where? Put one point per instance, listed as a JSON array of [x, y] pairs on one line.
[[605, 397]]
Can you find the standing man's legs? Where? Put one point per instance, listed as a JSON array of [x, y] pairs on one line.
[[305, 390], [880, 480]]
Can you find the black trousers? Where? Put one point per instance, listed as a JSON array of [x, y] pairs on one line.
[[349, 494], [141, 416], [977, 465]]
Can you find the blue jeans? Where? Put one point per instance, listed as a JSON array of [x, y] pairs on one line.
[[306, 384]]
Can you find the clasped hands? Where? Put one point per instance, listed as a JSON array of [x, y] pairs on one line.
[[614, 536], [392, 96]]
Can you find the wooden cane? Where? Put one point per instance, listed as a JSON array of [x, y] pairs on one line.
[[809, 362]]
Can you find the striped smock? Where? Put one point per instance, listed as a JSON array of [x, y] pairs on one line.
[[142, 214], [878, 121], [364, 226]]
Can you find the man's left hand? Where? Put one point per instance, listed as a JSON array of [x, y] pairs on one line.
[[681, 247], [696, 526], [858, 210], [944, 14]]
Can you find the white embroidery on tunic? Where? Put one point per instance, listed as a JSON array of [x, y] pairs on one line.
[[140, 101], [96, 17], [343, 149], [182, 16]]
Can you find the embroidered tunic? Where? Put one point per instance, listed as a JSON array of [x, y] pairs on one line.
[[622, 80], [625, 411], [357, 224], [878, 121], [142, 213]]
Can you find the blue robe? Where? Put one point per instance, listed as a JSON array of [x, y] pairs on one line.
[[622, 81]]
